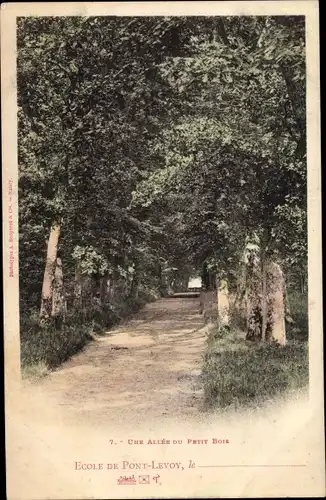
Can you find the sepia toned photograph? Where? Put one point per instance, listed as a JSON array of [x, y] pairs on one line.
[[161, 259], [162, 188]]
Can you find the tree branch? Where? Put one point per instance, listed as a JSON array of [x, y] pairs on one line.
[[222, 32]]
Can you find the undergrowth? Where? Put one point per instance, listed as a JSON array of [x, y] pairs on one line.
[[238, 373], [45, 345], [50, 343], [299, 312]]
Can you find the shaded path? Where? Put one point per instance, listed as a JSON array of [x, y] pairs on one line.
[[139, 382], [147, 368]]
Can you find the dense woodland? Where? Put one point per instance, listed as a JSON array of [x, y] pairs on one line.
[[154, 149]]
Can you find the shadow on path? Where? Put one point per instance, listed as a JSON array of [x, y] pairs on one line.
[[147, 368]]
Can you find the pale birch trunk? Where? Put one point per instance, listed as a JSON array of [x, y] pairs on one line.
[[275, 330], [223, 305], [50, 266], [58, 296]]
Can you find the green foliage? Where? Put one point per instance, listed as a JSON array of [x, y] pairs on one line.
[[299, 312], [45, 346], [236, 157], [35, 371], [90, 104], [51, 344], [90, 262], [236, 374], [160, 144]]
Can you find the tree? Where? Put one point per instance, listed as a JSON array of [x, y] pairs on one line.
[[154, 148], [90, 99], [236, 157]]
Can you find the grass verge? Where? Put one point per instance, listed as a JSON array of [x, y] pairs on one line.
[[238, 373], [44, 346], [35, 372]]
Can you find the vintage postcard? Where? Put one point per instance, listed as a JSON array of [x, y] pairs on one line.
[[162, 250]]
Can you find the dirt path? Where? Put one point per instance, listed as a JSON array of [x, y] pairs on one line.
[[137, 383], [147, 368]]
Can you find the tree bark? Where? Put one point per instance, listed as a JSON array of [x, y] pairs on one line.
[[303, 284], [263, 299], [253, 301], [297, 106], [208, 305], [275, 330], [58, 297], [50, 266], [78, 289], [223, 305], [205, 278], [287, 307], [222, 32], [134, 286], [103, 289], [208, 295]]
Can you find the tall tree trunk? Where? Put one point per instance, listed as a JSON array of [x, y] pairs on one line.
[[58, 296], [265, 242], [302, 282], [208, 305], [287, 307], [205, 278], [264, 318], [223, 305], [201, 302], [134, 286], [109, 289], [275, 330], [241, 290], [50, 266], [208, 296], [162, 280], [253, 301], [78, 289], [181, 283], [103, 289], [95, 286]]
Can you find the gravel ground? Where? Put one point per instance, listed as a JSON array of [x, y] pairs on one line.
[[145, 369]]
